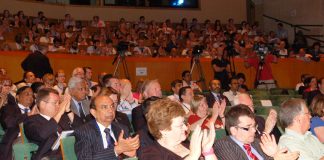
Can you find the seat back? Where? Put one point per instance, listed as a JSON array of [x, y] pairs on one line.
[[23, 151], [67, 148], [220, 133], [22, 134]]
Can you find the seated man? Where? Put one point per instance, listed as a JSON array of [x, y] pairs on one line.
[[44, 128], [233, 91], [263, 126], [103, 138], [295, 118], [175, 86], [215, 95], [241, 144]]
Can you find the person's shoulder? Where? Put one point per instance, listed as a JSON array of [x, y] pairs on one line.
[[317, 121], [225, 141]]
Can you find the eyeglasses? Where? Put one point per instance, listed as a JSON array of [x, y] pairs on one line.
[[248, 128]]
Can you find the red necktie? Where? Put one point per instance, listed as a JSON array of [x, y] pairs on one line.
[[247, 147]]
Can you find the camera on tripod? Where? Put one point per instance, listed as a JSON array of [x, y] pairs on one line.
[[197, 50], [122, 47], [262, 49]]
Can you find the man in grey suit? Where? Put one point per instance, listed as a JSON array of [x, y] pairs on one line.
[[79, 104], [104, 138]]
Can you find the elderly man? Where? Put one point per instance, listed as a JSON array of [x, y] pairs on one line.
[[241, 144], [103, 138], [44, 128], [175, 86], [79, 104], [150, 88], [215, 95], [295, 118], [127, 101], [268, 125]]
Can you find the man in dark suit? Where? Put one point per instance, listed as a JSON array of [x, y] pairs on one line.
[[104, 138], [150, 88], [38, 63], [241, 144], [80, 105], [12, 115], [215, 95], [268, 126], [44, 128]]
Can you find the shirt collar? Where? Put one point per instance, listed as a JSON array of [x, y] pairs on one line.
[[22, 108], [45, 116], [297, 135], [102, 127]]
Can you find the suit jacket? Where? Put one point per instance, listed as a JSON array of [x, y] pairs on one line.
[[85, 107], [227, 149], [89, 143], [38, 63], [211, 99], [138, 118], [11, 117], [260, 121], [122, 118], [43, 132]]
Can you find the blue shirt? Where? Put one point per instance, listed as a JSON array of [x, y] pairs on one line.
[[255, 152], [316, 122]]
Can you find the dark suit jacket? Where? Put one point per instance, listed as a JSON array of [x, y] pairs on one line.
[[122, 118], [38, 63], [44, 133], [11, 117], [211, 99], [138, 118], [227, 149], [89, 143], [261, 124]]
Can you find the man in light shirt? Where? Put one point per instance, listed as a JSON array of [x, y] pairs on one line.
[[295, 118]]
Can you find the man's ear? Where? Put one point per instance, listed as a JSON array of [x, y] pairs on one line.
[[233, 131], [93, 112]]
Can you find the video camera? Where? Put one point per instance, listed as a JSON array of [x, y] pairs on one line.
[[197, 50]]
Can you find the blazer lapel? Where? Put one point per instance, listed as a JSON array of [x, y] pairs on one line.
[[237, 149], [74, 108]]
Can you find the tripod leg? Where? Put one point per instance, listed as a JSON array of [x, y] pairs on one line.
[[125, 69], [201, 75], [116, 68]]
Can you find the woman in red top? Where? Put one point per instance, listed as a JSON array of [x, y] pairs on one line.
[[200, 109]]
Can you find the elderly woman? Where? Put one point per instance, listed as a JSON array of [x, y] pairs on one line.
[[165, 120], [317, 122], [200, 109]]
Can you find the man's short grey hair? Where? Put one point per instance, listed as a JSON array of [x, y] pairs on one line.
[[74, 81], [75, 71], [147, 83], [289, 110], [238, 97]]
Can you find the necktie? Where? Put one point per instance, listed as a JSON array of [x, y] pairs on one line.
[[26, 110], [110, 140], [247, 147], [82, 115]]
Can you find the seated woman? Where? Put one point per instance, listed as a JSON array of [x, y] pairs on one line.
[[200, 109], [165, 120], [317, 122]]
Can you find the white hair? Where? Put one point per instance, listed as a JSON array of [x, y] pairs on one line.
[[74, 81]]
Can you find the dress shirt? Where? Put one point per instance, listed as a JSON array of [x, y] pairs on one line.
[[308, 145], [255, 152], [103, 134], [22, 108]]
